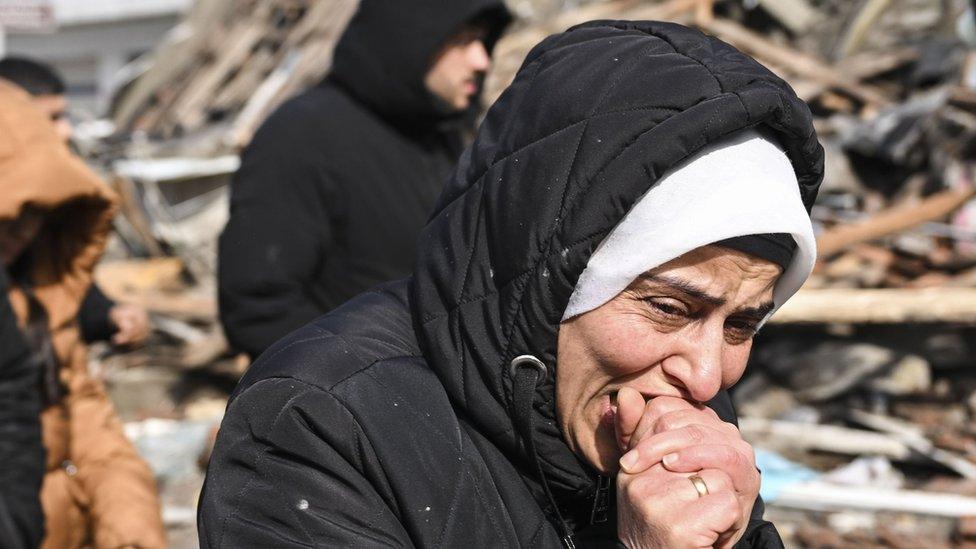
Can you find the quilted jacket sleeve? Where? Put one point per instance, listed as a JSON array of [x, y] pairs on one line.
[[283, 475]]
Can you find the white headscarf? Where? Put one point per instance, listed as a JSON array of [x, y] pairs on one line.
[[742, 185]]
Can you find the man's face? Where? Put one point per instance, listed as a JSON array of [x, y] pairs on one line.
[[457, 68], [683, 330], [18, 234], [56, 108]]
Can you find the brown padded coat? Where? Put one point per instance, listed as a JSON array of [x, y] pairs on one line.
[[98, 491]]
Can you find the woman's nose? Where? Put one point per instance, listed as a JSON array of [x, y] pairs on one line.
[[697, 364]]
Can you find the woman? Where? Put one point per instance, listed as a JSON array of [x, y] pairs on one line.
[[554, 373], [54, 219]]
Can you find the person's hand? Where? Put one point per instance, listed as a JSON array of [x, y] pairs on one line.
[[667, 440], [662, 509], [132, 323]]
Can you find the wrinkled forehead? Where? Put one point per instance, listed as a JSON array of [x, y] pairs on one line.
[[722, 262], [714, 274]]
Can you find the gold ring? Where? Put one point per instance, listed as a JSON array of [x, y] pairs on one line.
[[699, 484]]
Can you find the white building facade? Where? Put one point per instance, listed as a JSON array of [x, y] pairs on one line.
[[90, 41]]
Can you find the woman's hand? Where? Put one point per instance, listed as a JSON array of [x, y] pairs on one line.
[[659, 508], [666, 441]]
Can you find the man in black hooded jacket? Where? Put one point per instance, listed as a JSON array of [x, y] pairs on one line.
[[337, 184], [21, 453], [424, 413]]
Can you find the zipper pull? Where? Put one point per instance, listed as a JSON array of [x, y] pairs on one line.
[[601, 500]]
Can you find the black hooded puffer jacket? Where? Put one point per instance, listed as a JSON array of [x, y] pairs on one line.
[[336, 185], [396, 419]]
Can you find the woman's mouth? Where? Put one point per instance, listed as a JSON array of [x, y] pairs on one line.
[[609, 407]]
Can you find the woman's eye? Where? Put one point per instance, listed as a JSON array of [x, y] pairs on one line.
[[740, 331], [669, 308]]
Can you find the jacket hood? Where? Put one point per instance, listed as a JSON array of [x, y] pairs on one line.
[[38, 170], [387, 49], [595, 116]]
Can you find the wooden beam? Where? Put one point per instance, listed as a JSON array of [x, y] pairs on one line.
[[132, 212], [179, 305], [882, 306], [310, 46], [914, 438], [797, 62], [796, 15], [893, 221], [892, 443], [865, 19], [173, 58], [191, 111], [156, 285], [824, 438], [868, 65], [819, 496], [704, 12]]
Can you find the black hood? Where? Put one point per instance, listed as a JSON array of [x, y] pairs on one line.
[[385, 52], [595, 117]]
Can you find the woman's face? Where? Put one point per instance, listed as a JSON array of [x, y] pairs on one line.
[[683, 329], [18, 234]]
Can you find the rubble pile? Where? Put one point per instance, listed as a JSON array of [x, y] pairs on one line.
[[861, 395], [229, 64]]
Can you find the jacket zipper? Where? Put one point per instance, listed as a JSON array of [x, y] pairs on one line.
[[601, 500]]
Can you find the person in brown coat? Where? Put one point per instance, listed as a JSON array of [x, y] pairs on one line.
[[55, 215], [100, 318]]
